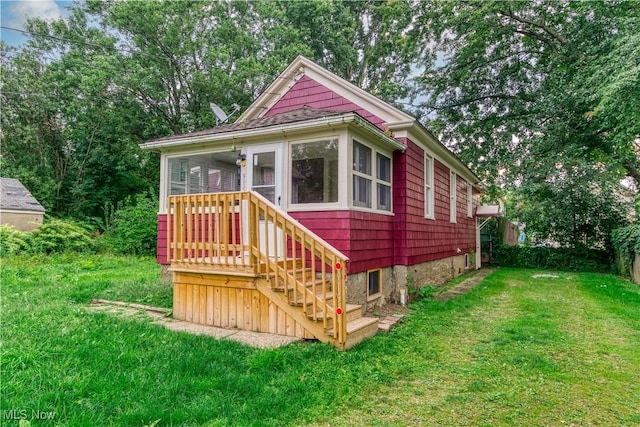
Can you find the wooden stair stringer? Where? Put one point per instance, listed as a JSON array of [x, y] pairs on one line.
[[297, 313]]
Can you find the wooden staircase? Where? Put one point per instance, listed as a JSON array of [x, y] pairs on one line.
[[242, 234], [314, 317]]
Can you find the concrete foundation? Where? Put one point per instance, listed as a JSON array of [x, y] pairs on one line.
[[398, 279]]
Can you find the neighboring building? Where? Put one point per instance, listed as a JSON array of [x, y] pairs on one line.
[[18, 207], [373, 189]]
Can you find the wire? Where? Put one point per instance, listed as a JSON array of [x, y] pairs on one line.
[[86, 43]]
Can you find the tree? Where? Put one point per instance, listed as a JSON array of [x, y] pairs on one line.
[[524, 86]]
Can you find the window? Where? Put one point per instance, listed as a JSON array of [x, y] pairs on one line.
[[453, 197], [361, 175], [203, 173], [374, 284], [428, 187], [314, 172], [384, 182], [469, 200], [371, 190]]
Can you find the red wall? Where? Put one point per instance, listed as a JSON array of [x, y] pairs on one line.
[[428, 239], [307, 91], [366, 238], [373, 240], [161, 248]]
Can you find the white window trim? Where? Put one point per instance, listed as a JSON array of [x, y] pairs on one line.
[[453, 197], [329, 206], [378, 181], [469, 200], [429, 198], [373, 178]]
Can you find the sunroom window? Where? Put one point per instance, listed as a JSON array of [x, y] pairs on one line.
[[314, 172], [371, 178], [361, 175], [203, 173], [384, 182]]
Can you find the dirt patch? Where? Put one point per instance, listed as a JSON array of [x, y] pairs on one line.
[[161, 316], [464, 286], [388, 310]]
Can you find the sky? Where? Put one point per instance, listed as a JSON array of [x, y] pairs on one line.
[[14, 14]]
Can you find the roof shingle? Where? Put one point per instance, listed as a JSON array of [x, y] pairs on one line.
[[293, 116], [14, 196]]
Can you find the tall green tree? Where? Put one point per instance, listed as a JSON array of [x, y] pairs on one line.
[[525, 87]]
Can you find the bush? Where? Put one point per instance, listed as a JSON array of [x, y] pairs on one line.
[[134, 228], [12, 241], [57, 235], [626, 242], [567, 259]]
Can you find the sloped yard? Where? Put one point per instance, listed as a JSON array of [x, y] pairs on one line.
[[522, 348]]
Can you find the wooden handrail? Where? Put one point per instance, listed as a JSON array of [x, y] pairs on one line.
[[244, 232]]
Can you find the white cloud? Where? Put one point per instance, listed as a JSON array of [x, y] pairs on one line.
[[17, 12]]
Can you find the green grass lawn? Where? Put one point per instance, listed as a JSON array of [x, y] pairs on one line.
[[518, 350]]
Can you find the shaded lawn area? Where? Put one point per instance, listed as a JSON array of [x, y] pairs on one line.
[[522, 348]]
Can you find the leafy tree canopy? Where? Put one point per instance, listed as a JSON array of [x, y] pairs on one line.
[[545, 93]]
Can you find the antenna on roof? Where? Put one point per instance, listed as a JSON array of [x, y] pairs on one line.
[[221, 116]]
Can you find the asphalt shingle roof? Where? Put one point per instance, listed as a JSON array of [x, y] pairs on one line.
[[14, 196], [293, 116]]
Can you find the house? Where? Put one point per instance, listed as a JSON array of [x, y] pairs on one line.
[[318, 203], [18, 208]]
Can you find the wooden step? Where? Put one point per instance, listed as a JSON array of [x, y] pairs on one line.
[[290, 264], [358, 330], [297, 274], [352, 312], [298, 301], [309, 283]]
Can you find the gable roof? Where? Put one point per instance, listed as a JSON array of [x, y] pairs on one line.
[[399, 122], [15, 197], [302, 66]]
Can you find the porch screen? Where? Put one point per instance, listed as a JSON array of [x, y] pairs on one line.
[[203, 173], [314, 172]]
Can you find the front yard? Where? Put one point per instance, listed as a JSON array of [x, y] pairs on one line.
[[524, 347]]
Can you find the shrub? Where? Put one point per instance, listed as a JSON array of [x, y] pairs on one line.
[[12, 241], [568, 259], [57, 235], [134, 227], [626, 241]]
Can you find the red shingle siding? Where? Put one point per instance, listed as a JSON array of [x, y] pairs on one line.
[[307, 91], [428, 239], [161, 248], [366, 238]]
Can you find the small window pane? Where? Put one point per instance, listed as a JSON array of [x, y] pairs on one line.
[[384, 168], [361, 158], [384, 197], [361, 191], [373, 283]]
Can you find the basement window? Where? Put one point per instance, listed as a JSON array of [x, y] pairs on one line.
[[374, 284]]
